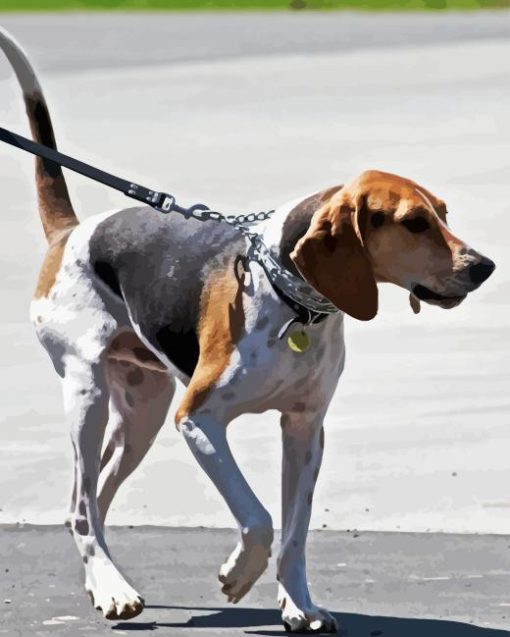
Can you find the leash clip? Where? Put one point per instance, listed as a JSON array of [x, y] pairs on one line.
[[161, 201]]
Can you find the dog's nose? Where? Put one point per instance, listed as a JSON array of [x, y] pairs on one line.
[[480, 272]]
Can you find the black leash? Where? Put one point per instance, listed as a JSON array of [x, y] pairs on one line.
[[161, 201]]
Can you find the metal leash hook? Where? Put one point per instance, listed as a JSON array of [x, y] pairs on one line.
[[191, 212]]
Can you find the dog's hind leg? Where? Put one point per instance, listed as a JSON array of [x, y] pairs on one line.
[[139, 402], [86, 398], [76, 336]]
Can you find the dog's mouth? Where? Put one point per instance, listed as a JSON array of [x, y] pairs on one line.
[[429, 296]]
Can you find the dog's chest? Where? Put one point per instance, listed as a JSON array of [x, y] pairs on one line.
[[266, 373]]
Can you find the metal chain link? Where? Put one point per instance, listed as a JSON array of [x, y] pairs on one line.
[[239, 222], [295, 288]]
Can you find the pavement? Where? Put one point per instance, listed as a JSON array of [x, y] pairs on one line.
[[377, 584], [245, 112]]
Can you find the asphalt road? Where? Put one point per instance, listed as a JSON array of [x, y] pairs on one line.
[[386, 584], [244, 112]]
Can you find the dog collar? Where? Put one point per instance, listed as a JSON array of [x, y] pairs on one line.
[[309, 306]]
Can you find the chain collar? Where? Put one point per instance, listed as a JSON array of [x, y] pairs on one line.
[[295, 288], [299, 292]]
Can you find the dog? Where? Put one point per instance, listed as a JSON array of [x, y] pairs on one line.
[[131, 300]]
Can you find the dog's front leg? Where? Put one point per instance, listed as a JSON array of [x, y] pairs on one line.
[[303, 443], [206, 438]]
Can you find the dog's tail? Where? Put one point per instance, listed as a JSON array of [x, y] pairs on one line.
[[55, 208]]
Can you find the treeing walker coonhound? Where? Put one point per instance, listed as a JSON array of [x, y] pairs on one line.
[[129, 300]]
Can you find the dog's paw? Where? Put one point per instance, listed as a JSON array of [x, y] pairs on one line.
[[307, 620], [245, 565], [113, 596]]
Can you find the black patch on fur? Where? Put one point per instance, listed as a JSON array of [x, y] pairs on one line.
[[297, 223], [377, 219], [44, 134], [107, 274], [43, 120], [295, 226], [180, 347], [158, 264], [81, 526]]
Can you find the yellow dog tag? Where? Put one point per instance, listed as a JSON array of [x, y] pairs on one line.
[[299, 341]]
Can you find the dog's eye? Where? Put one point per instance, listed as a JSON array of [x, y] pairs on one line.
[[417, 224], [377, 219]]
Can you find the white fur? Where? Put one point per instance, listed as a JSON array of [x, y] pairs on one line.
[[20, 63]]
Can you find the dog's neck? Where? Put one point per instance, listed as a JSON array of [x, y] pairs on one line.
[[287, 226]]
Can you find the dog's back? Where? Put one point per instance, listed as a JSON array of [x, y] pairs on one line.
[[158, 265]]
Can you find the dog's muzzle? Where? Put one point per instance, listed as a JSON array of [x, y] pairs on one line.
[[472, 277]]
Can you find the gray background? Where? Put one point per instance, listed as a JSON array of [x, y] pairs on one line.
[[245, 112]]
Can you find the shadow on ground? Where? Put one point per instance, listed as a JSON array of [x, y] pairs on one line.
[[351, 625]]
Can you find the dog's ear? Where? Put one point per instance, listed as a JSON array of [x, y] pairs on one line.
[[332, 258], [414, 302]]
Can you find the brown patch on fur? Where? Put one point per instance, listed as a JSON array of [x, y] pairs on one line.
[[360, 235], [128, 348], [297, 223], [51, 264], [135, 377], [221, 325], [107, 455], [426, 257], [55, 207], [331, 257]]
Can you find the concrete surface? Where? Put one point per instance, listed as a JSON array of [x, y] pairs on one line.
[[384, 584], [246, 112], [61, 42]]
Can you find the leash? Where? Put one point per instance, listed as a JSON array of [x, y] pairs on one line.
[[309, 305], [161, 201]]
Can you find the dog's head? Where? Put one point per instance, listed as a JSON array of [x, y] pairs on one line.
[[384, 228]]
